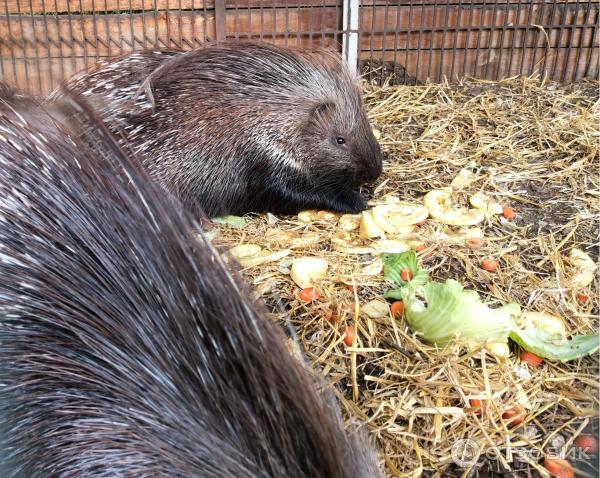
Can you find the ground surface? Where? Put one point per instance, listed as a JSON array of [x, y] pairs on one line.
[[532, 146]]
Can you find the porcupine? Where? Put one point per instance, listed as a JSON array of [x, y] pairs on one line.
[[126, 348], [241, 127]]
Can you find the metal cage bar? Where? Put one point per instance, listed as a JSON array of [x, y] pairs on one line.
[[43, 42]]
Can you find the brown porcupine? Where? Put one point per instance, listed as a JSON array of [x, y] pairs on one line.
[[242, 127], [126, 348]]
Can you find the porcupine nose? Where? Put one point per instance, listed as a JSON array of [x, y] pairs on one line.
[[372, 167]]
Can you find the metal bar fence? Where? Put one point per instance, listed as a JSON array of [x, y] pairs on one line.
[[43, 42]]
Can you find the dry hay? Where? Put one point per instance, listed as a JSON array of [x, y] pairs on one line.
[[535, 145]]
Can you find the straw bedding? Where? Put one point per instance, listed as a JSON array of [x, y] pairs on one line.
[[533, 146]]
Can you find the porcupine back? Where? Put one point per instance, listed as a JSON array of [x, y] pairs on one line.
[[241, 127], [126, 348]]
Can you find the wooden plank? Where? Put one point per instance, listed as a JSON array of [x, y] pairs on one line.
[[437, 64], [100, 6], [428, 18], [107, 35], [103, 6], [40, 76]]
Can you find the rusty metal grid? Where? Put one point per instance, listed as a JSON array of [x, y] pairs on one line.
[[43, 42]]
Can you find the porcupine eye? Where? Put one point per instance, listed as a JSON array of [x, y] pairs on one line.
[[340, 140]]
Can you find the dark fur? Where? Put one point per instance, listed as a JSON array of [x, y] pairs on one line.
[[126, 349], [242, 127]]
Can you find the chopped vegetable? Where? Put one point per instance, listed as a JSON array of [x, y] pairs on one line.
[[393, 264], [441, 312], [422, 223], [514, 415], [531, 359], [397, 308], [490, 265], [420, 248], [405, 274], [508, 213], [476, 405], [309, 294], [377, 134], [306, 271], [351, 288], [233, 221], [448, 311], [349, 337], [559, 468], [587, 443], [474, 242], [582, 298]]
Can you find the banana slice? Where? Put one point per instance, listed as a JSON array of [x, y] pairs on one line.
[[348, 247], [375, 309], [391, 246], [306, 271], [377, 134], [394, 218], [311, 215], [368, 226], [464, 177], [264, 257], [373, 269], [439, 203], [245, 250], [485, 203], [349, 222], [582, 269], [250, 255], [292, 239]]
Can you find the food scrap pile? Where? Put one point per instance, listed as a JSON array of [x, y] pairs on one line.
[[490, 192]]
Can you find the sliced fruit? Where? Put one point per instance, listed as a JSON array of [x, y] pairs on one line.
[[391, 217], [582, 269], [391, 246], [263, 257], [349, 222], [464, 177], [480, 201], [439, 204], [368, 226], [245, 250], [308, 215], [375, 309], [305, 271]]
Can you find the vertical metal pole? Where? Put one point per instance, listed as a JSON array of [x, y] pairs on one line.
[[350, 34], [220, 21]]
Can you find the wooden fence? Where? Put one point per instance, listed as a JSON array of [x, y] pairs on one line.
[[43, 42]]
